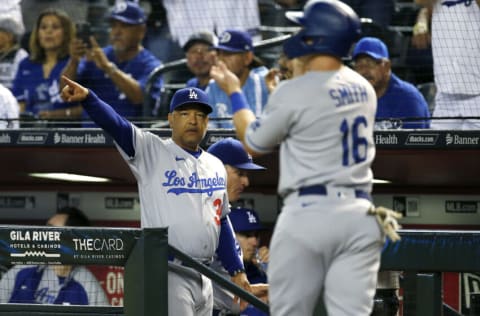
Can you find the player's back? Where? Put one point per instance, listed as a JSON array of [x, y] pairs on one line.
[[330, 137]]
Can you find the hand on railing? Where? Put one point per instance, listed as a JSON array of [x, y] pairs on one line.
[[241, 280]]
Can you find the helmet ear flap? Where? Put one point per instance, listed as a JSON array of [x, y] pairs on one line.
[[295, 46]]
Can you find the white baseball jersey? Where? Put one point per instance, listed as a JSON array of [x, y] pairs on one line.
[[456, 47], [324, 121], [186, 194]]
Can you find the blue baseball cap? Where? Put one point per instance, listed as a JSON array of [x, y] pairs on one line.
[[190, 96], [372, 47], [235, 41], [244, 219], [231, 152], [129, 13]]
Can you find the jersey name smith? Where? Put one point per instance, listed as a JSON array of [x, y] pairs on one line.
[[348, 94], [193, 183]]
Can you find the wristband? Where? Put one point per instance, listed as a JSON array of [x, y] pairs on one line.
[[239, 102]]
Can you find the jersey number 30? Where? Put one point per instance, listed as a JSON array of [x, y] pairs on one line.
[[357, 147]]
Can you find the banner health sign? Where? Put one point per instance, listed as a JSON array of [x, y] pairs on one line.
[[66, 245]]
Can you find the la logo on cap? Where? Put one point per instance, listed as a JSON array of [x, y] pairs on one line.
[[193, 94], [251, 218]]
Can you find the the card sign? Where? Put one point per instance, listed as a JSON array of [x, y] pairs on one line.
[[65, 245]]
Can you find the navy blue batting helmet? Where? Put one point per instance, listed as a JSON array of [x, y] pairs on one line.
[[328, 27]]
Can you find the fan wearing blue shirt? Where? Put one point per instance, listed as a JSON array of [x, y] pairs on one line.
[[397, 99], [119, 72], [235, 49]]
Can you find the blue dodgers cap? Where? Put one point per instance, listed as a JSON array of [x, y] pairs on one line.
[[190, 96], [244, 219], [231, 152], [129, 13], [235, 41], [372, 47]]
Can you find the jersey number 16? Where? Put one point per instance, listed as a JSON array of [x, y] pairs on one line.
[[359, 144]]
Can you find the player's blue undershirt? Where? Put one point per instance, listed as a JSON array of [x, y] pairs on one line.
[[121, 131]]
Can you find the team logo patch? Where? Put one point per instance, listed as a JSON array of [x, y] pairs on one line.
[[192, 95], [226, 37], [251, 218]]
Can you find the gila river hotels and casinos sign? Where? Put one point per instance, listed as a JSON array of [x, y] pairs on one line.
[[62, 245]]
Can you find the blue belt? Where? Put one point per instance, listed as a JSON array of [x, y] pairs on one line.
[[320, 189]]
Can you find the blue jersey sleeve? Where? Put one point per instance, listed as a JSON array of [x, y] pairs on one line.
[[226, 250], [111, 122]]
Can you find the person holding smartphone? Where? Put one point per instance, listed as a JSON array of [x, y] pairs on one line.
[[117, 73]]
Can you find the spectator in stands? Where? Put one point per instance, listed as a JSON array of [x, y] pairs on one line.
[[246, 224], [235, 49], [285, 67], [200, 58], [53, 284], [380, 11], [397, 99], [117, 73], [238, 163], [36, 84], [10, 51], [455, 40], [283, 70], [419, 57], [9, 111]]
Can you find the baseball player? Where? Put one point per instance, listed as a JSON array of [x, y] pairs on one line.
[[324, 122], [246, 224], [238, 163], [181, 187]]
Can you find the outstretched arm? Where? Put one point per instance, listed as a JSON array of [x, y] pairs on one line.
[[242, 115], [101, 113]]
